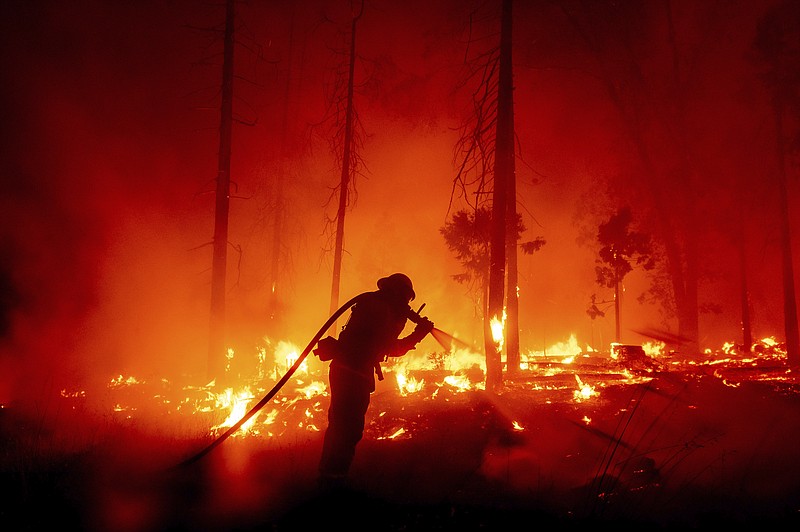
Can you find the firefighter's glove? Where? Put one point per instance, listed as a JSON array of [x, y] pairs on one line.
[[424, 326]]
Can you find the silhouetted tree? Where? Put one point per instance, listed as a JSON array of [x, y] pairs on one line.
[[345, 177], [504, 201], [217, 351], [486, 155], [216, 348], [277, 209], [620, 250], [747, 331], [778, 48], [468, 236], [345, 142]]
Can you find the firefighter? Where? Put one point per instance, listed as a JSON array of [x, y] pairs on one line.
[[370, 335]]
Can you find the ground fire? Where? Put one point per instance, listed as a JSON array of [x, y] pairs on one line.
[[569, 376]]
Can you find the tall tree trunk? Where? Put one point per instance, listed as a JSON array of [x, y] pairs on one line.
[[276, 247], [617, 317], [503, 147], [789, 301], [689, 316], [489, 343], [747, 333], [512, 274], [345, 180], [688, 305], [216, 348], [275, 253]]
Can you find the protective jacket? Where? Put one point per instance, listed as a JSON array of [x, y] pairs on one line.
[[371, 334]]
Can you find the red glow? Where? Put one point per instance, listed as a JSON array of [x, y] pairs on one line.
[[111, 113]]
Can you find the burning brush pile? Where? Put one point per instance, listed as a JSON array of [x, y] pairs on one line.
[[573, 439]]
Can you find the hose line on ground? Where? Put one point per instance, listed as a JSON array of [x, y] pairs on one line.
[[264, 400]]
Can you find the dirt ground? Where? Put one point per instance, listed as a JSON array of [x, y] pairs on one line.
[[673, 450]]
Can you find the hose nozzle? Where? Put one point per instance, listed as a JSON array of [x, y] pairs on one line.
[[414, 316]]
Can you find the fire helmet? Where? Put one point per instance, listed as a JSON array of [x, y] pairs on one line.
[[399, 283]]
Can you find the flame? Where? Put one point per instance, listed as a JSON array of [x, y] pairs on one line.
[[584, 390], [301, 403], [408, 385], [459, 359], [654, 349], [396, 434], [237, 403], [729, 348], [312, 389], [122, 381], [498, 326], [769, 341], [228, 359], [261, 356], [460, 382], [569, 350], [289, 353]]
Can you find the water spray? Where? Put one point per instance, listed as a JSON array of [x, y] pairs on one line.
[[439, 335]]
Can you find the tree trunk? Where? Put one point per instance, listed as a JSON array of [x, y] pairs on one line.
[[688, 308], [507, 102], [747, 334], [616, 308], [216, 349], [275, 252], [503, 146], [789, 302], [488, 337], [689, 314], [345, 180], [276, 247]]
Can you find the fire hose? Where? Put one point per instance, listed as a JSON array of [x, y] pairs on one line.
[[413, 316], [278, 385]]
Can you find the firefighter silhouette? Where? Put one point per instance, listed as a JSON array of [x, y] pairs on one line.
[[370, 335]]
